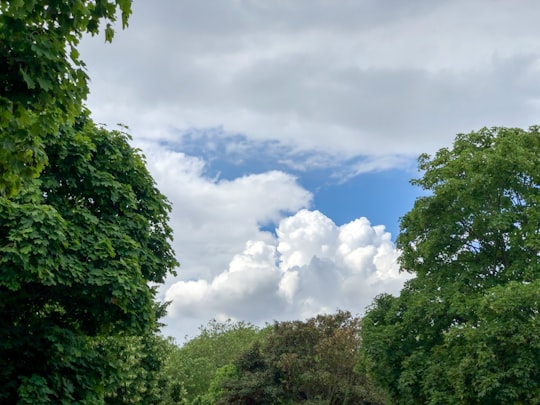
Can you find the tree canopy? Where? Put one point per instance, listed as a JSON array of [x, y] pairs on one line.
[[83, 228], [78, 248], [467, 328], [300, 362], [42, 78], [196, 363], [136, 369]]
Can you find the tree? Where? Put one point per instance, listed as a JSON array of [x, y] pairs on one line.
[[466, 329], [78, 248], [195, 364], [302, 362], [42, 78], [137, 369]]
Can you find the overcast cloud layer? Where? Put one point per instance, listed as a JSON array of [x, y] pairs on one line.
[[354, 86], [354, 77]]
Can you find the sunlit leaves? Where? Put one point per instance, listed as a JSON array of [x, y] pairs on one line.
[[195, 364], [135, 369], [484, 210], [78, 247], [83, 229], [465, 330], [42, 84]]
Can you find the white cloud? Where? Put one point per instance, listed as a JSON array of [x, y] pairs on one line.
[[385, 80], [363, 77], [306, 235], [310, 266], [212, 218]]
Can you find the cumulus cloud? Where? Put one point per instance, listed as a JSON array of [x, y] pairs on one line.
[[309, 266], [366, 84], [213, 218]]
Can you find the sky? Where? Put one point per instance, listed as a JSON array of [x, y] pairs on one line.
[[285, 134]]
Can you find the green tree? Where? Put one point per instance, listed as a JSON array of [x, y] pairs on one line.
[[78, 248], [136, 369], [194, 365], [302, 362], [42, 78], [466, 329], [251, 380]]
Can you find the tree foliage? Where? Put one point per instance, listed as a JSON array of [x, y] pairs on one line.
[[194, 365], [42, 78], [466, 329], [136, 369], [301, 362], [78, 247], [83, 229]]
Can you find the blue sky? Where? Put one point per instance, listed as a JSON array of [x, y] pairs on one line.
[[285, 134], [383, 196]]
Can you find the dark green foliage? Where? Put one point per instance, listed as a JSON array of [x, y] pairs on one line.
[[251, 381], [42, 79], [466, 329], [78, 247], [301, 362], [83, 229]]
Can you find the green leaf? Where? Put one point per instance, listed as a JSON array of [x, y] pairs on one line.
[[27, 79], [461, 331], [75, 262], [109, 33], [45, 84]]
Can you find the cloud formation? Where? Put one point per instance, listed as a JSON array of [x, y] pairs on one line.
[[213, 218], [310, 266], [350, 78], [355, 86]]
